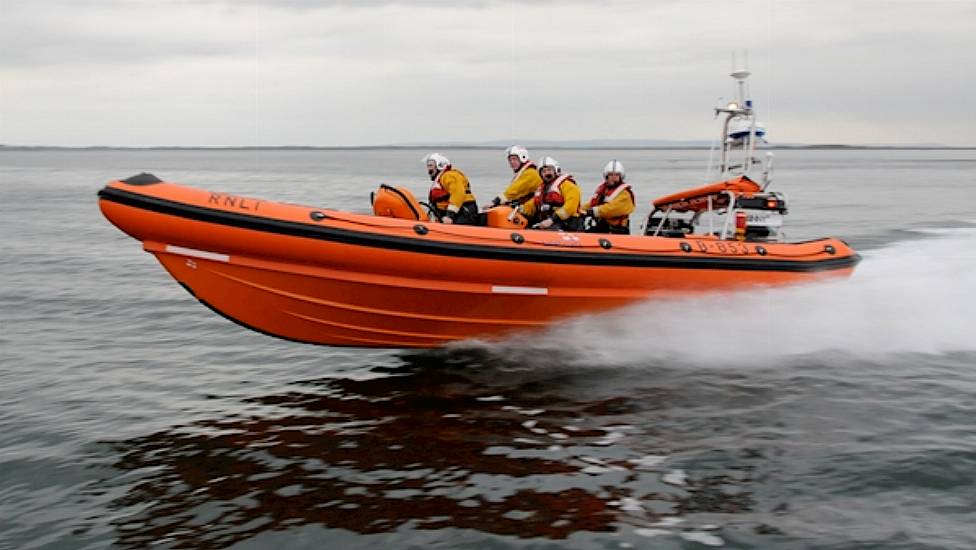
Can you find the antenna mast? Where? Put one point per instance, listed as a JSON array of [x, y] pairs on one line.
[[740, 132]]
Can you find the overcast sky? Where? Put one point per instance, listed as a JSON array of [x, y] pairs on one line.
[[303, 72]]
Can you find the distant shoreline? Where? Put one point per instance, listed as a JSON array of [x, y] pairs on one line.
[[29, 148]]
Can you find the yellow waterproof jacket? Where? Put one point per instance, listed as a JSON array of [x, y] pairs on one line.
[[613, 204], [524, 184], [450, 190], [562, 196]]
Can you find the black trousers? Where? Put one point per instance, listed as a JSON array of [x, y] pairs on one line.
[[467, 215], [603, 227], [571, 224]]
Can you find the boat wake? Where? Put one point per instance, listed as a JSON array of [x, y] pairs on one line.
[[912, 296]]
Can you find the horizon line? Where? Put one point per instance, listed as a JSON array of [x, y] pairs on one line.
[[564, 146]]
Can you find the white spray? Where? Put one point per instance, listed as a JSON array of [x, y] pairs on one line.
[[916, 296]]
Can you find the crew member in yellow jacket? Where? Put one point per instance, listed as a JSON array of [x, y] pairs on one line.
[[450, 193], [525, 181], [555, 203], [613, 201]]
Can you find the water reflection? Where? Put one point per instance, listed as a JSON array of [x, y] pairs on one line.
[[448, 439]]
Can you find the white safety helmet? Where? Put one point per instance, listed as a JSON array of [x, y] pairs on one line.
[[615, 167], [518, 151], [440, 161], [549, 161]]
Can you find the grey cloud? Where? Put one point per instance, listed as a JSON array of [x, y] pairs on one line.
[[89, 33], [824, 71]]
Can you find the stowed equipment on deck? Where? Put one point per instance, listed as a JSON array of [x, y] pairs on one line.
[[399, 202], [736, 206]]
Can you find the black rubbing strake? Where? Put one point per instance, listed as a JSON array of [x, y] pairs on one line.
[[554, 255]]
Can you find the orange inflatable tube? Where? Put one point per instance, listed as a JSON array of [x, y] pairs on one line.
[[329, 277]]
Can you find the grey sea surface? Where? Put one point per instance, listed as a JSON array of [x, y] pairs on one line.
[[832, 415]]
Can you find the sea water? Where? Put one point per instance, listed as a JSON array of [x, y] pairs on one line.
[[835, 414]]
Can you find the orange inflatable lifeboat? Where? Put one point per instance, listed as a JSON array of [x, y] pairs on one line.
[[397, 280]]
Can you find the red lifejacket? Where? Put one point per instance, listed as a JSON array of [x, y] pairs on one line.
[[604, 193], [551, 194], [437, 192]]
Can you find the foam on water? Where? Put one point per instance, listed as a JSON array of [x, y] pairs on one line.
[[912, 296]]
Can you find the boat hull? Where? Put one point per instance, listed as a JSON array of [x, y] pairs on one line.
[[336, 278]]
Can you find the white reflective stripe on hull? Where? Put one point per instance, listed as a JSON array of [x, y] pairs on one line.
[[203, 254], [531, 290]]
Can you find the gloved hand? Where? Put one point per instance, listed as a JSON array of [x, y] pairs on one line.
[[545, 224], [497, 201], [448, 219]]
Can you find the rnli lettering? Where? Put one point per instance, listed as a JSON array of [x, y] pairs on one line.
[[233, 201]]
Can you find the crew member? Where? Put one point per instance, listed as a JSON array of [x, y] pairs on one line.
[[450, 193], [613, 202], [556, 202], [525, 181]]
